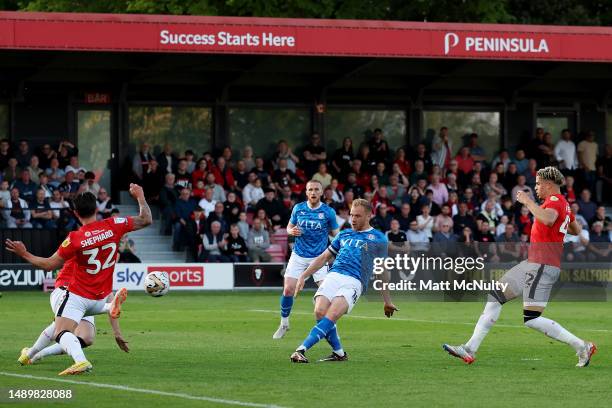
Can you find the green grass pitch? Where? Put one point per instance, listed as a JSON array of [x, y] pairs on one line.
[[219, 345]]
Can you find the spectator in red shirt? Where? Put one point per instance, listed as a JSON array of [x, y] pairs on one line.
[[223, 174]]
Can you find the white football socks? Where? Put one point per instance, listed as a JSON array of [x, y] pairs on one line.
[[284, 321], [52, 350], [71, 345], [554, 330], [487, 319], [45, 338]]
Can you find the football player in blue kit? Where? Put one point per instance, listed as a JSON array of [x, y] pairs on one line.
[[312, 221], [354, 250]]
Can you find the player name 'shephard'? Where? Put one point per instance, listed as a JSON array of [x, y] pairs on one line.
[[429, 285]]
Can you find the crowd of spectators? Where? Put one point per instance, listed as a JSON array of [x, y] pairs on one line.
[[223, 206], [37, 186]]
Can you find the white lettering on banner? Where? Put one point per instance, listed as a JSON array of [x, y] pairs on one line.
[[23, 277], [496, 44], [225, 39]]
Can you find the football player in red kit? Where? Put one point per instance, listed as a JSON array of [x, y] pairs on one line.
[[85, 331], [92, 250], [535, 277]]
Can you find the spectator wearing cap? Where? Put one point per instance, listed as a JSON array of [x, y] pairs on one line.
[[104, 204], [273, 207], [23, 154], [17, 213], [42, 216], [27, 188]]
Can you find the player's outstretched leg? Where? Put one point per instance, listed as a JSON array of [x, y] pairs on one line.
[[333, 339], [329, 313], [85, 332], [64, 330], [584, 349], [115, 306], [45, 338], [490, 314], [286, 303]]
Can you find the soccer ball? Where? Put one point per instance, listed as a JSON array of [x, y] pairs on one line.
[[157, 283]]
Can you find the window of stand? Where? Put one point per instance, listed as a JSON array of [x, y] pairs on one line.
[[359, 125], [461, 124], [261, 129], [184, 127]]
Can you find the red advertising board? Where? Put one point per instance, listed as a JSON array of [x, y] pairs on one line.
[[187, 275], [236, 35]]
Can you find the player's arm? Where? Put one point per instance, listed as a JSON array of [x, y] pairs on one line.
[[51, 263], [144, 218], [293, 230], [314, 266], [121, 342], [574, 228], [546, 216]]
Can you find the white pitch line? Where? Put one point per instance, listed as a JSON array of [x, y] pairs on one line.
[[143, 391], [407, 319]]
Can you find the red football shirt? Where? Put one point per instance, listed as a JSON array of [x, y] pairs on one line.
[[64, 276], [94, 251], [547, 242]]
